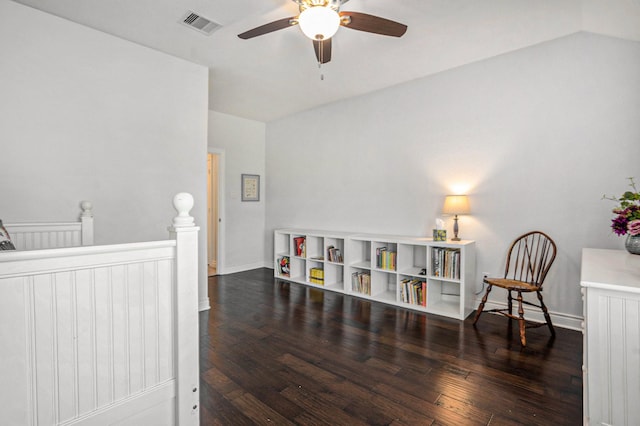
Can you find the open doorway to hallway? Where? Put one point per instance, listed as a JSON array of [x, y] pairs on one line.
[[213, 214]]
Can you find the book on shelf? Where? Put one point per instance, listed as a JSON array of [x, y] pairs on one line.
[[413, 291], [385, 259], [445, 262], [283, 266], [316, 276], [334, 254], [361, 283], [299, 246]]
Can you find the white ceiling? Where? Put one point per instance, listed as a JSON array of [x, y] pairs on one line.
[[276, 74]]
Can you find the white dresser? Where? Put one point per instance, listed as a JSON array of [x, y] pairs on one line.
[[610, 281]]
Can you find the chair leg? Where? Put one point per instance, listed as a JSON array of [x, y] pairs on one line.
[[521, 321], [547, 317], [510, 303], [481, 305]]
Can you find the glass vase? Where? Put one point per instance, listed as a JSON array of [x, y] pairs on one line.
[[632, 244]]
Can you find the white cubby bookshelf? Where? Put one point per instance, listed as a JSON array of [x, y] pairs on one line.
[[415, 273], [315, 255]]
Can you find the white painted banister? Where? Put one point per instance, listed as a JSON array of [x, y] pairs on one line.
[[87, 223], [102, 334], [186, 357], [50, 235]]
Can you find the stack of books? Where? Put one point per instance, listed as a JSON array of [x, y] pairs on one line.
[[316, 276]]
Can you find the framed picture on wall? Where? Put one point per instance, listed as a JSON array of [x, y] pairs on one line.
[[250, 187]]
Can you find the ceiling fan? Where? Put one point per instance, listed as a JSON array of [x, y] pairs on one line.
[[320, 19]]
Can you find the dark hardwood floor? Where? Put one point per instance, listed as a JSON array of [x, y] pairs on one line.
[[274, 352]]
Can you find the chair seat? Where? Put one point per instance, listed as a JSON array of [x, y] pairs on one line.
[[511, 284]]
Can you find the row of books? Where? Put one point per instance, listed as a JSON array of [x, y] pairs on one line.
[[385, 258], [300, 246], [413, 291], [316, 276], [361, 282], [445, 263], [334, 254]]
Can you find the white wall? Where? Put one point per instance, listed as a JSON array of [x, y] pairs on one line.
[[87, 116], [243, 144], [535, 137]]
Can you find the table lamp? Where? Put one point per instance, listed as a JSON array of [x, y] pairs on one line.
[[455, 205]]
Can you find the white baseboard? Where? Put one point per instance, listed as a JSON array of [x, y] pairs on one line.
[[571, 322], [241, 268], [157, 402], [203, 305]]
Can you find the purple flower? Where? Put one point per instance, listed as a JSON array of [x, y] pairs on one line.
[[619, 225], [627, 212]]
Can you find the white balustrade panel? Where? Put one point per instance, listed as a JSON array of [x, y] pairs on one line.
[[44, 236], [87, 336]]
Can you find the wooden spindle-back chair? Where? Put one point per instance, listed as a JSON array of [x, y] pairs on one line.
[[528, 262]]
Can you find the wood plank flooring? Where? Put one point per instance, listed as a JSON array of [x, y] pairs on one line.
[[274, 352]]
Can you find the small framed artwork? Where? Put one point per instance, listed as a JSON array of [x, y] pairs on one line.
[[250, 187]]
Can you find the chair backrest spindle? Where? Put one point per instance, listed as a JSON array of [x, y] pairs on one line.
[[530, 257]]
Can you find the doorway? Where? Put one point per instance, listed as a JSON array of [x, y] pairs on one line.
[[213, 212]]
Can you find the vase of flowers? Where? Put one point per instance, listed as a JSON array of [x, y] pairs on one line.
[[627, 219]]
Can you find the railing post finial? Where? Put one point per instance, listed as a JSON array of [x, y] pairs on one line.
[[183, 203], [86, 207]]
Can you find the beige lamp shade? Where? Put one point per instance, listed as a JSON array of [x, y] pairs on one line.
[[456, 204]]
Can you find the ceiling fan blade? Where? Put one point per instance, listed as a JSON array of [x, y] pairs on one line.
[[373, 24], [323, 50], [268, 28]]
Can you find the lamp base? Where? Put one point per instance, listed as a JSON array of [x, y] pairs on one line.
[[455, 229]]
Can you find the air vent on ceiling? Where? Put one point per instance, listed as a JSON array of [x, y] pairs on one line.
[[198, 23]]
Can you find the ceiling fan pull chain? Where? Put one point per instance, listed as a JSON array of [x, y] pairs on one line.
[[320, 59]]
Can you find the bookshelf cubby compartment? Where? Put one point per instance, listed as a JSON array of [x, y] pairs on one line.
[[315, 247], [412, 260], [359, 253], [283, 266], [334, 250], [283, 245], [384, 286], [385, 254], [444, 270], [334, 276], [413, 291], [360, 280], [297, 266], [299, 246], [444, 297]]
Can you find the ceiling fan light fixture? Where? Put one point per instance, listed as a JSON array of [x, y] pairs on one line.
[[319, 22]]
